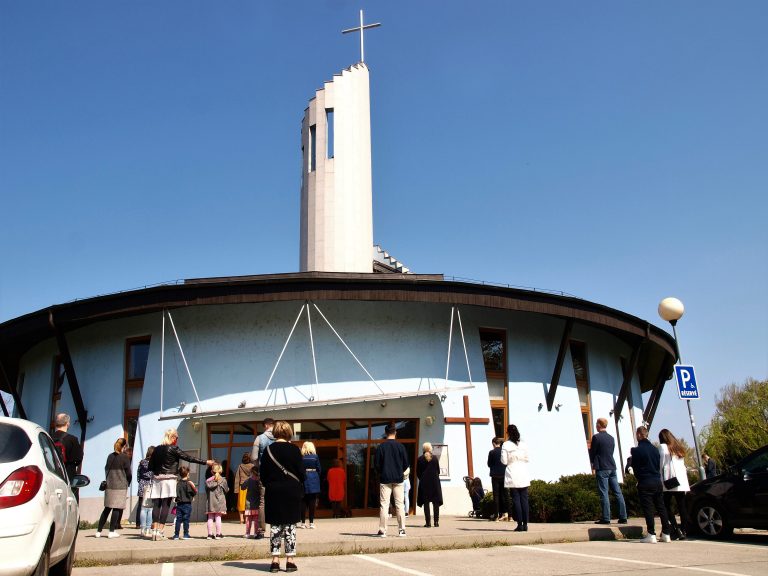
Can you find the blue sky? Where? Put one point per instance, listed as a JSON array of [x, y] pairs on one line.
[[616, 151]]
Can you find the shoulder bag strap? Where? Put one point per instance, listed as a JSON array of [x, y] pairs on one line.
[[285, 471]]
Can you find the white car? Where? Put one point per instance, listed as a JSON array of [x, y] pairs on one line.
[[38, 512]]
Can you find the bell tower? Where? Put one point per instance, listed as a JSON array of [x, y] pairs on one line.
[[336, 183]]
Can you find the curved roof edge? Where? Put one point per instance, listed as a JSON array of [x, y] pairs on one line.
[[19, 334]]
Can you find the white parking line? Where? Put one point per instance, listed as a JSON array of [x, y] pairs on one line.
[[166, 569], [390, 565], [710, 543], [616, 559]]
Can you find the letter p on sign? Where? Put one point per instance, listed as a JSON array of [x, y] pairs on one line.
[[687, 387]]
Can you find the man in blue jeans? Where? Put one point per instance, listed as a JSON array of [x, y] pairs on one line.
[[601, 454]]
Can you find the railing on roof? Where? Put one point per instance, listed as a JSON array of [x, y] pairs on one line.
[[504, 285]]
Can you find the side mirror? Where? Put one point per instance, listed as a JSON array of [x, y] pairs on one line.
[[79, 481]]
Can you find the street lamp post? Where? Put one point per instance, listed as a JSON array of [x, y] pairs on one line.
[[671, 310]]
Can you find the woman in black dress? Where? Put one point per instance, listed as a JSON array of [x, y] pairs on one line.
[[430, 490], [282, 474]]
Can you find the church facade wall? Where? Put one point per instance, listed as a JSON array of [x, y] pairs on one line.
[[232, 349]]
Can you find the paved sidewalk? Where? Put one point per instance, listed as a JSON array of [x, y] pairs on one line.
[[339, 536]]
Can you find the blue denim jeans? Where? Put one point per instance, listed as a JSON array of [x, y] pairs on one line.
[[145, 518], [183, 513], [606, 478]]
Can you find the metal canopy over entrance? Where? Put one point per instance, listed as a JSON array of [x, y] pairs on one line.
[[313, 400]]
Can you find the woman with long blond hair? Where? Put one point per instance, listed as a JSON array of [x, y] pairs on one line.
[[164, 464], [312, 472], [430, 490], [672, 464]]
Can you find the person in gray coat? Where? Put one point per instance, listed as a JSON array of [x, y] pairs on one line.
[[118, 476]]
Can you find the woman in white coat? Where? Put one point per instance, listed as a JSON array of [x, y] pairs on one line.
[[672, 464], [514, 455]]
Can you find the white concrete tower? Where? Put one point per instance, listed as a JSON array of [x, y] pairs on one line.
[[336, 189]]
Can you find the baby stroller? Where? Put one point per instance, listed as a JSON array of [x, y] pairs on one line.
[[476, 493]]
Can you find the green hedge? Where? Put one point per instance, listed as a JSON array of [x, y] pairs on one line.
[[570, 499]]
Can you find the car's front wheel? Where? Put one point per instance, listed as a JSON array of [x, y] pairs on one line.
[[710, 521]]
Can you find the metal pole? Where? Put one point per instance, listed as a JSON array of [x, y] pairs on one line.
[[362, 49], [702, 474]]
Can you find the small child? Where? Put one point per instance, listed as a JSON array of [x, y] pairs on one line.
[[337, 483], [217, 488], [252, 502], [145, 515], [185, 493]]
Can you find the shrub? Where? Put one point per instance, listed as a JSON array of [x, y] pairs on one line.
[[571, 499]]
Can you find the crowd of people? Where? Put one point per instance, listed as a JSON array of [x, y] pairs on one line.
[[279, 484]]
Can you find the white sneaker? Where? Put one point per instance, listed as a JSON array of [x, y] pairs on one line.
[[312, 525], [665, 537], [97, 535], [649, 539], [381, 534], [113, 535], [401, 533], [302, 525]]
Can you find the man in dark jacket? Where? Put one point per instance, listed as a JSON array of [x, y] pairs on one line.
[[497, 471], [70, 451], [391, 462], [647, 469], [601, 454]]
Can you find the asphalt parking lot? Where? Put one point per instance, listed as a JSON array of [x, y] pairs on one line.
[[746, 555]]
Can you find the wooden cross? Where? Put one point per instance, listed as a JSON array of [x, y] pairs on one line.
[[360, 29], [467, 421]]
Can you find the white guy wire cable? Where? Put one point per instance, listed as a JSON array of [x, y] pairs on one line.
[[314, 361], [450, 338], [301, 311], [466, 356], [347, 347], [184, 358], [162, 364]]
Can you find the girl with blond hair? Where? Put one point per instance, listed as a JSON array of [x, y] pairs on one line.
[[430, 490], [216, 488]]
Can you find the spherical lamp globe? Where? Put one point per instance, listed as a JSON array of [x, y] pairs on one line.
[[671, 309]]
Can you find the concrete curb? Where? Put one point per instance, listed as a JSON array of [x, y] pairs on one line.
[[339, 539]]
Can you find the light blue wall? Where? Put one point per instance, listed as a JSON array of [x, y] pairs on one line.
[[231, 351]]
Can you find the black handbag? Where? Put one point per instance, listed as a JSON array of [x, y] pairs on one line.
[[671, 483], [103, 485]]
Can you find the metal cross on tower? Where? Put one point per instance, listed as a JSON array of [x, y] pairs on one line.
[[360, 29]]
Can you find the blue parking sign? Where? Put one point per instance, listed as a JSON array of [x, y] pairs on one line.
[[687, 388]]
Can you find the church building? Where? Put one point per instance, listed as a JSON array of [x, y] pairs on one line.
[[352, 342]]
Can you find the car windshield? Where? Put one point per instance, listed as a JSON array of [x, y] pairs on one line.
[[14, 443]]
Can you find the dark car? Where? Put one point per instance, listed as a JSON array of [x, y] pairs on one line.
[[737, 498]]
